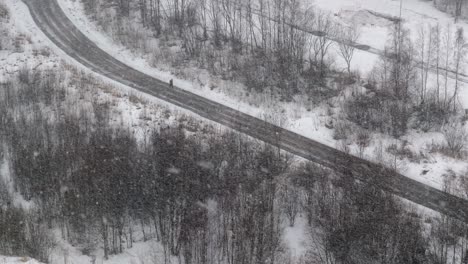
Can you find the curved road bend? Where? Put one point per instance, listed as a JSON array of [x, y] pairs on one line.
[[54, 23]]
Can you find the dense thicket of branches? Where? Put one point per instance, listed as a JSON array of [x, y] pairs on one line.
[[256, 42], [399, 95], [264, 45], [22, 232], [215, 199], [88, 177], [458, 8], [359, 223]]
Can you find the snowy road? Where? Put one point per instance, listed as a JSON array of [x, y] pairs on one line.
[[55, 24]]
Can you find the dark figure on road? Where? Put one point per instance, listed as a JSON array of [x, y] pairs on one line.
[[171, 83]]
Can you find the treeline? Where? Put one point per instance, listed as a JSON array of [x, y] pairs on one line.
[[457, 8], [207, 199], [259, 43], [360, 223], [263, 44], [414, 84], [95, 180], [22, 233]]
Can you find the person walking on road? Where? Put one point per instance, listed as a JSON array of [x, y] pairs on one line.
[[171, 83]]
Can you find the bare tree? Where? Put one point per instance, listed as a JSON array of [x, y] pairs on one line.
[[425, 54], [321, 44], [290, 198], [460, 48], [348, 37], [436, 44], [447, 61], [458, 9]]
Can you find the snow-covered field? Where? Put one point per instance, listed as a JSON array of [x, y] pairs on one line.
[[375, 28], [415, 13]]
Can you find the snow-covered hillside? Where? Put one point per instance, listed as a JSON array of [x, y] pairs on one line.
[[299, 116], [302, 210]]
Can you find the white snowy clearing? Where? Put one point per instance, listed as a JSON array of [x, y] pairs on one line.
[[371, 16]]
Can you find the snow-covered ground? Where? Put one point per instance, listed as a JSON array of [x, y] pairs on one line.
[[148, 112], [17, 199], [297, 240], [27, 47], [36, 54], [18, 260], [415, 13], [370, 15], [297, 118], [149, 252], [294, 116]]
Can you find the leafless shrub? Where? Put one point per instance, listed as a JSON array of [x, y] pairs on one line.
[[4, 194], [378, 153], [456, 138], [342, 145], [19, 43], [144, 115], [45, 52], [4, 12], [167, 114], [342, 130], [40, 241], [363, 139], [431, 115], [24, 75], [192, 125], [402, 151], [135, 99]]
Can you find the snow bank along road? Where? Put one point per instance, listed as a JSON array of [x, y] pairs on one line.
[[55, 24]]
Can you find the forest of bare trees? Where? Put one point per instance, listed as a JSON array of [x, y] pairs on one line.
[[212, 196], [207, 198], [268, 46], [457, 8], [259, 43]]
